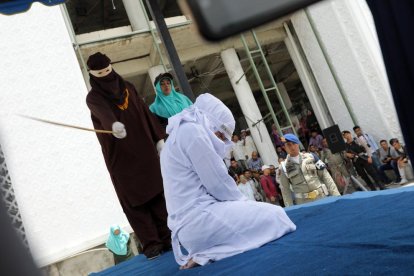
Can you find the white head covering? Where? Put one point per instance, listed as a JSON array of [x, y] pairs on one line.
[[212, 114]]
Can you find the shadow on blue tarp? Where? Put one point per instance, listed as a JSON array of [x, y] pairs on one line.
[[18, 6], [360, 234]]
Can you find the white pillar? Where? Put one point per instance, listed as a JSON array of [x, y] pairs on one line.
[[135, 14], [153, 72], [249, 107]]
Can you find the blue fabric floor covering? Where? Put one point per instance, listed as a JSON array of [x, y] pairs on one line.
[[366, 233]]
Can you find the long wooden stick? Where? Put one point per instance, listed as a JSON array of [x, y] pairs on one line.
[[66, 125]]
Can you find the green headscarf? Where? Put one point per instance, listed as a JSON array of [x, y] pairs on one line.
[[167, 106], [118, 243]]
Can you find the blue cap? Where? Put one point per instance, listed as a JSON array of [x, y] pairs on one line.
[[291, 138]]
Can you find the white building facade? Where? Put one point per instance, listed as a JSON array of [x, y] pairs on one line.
[[61, 184]]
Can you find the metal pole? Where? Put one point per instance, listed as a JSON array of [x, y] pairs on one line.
[[153, 36], [269, 72], [75, 44], [175, 62], [120, 36], [265, 96]]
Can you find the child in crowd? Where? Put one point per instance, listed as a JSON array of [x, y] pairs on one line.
[[119, 244]]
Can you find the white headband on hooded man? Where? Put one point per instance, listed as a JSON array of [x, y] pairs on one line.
[[101, 72]]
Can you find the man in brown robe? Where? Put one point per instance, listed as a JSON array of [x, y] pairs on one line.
[[130, 153]]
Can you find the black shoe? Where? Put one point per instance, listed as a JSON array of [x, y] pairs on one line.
[[153, 257], [153, 254], [167, 248]]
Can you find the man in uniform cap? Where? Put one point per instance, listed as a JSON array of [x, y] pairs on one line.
[[309, 180], [130, 153]]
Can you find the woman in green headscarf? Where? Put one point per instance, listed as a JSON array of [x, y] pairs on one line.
[[119, 244], [168, 102]]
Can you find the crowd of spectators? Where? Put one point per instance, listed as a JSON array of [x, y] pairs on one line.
[[378, 166]]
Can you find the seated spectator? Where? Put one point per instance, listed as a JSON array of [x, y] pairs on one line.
[[389, 158], [281, 153], [316, 139], [255, 163], [257, 176], [245, 188], [268, 186], [403, 162], [259, 193], [235, 170], [314, 151]]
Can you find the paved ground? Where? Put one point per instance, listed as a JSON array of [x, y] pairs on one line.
[[351, 189]]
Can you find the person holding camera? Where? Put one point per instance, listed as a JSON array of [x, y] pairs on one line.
[[403, 160], [389, 158], [361, 161], [309, 179]]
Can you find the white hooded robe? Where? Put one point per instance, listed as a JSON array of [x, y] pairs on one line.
[[207, 214]]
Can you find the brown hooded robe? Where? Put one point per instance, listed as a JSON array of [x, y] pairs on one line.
[[133, 163]]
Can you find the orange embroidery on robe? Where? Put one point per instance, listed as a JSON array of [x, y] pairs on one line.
[[124, 106]]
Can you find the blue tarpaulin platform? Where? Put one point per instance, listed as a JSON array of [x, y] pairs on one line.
[[18, 6], [366, 233]]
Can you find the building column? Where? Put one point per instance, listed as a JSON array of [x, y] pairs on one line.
[[249, 107], [153, 72], [136, 14]]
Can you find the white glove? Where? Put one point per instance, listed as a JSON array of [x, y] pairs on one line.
[[119, 130], [320, 165], [160, 145]]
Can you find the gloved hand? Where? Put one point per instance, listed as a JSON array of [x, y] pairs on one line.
[[320, 165], [119, 130], [160, 145]]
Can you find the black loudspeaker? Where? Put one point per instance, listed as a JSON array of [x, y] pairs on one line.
[[334, 138]]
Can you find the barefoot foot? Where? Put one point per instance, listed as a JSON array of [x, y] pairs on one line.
[[189, 265]]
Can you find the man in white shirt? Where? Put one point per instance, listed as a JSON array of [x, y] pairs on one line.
[[245, 188], [371, 146], [258, 191], [404, 164], [238, 152], [207, 214]]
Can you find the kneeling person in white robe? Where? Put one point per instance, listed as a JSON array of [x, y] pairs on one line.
[[207, 214]]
